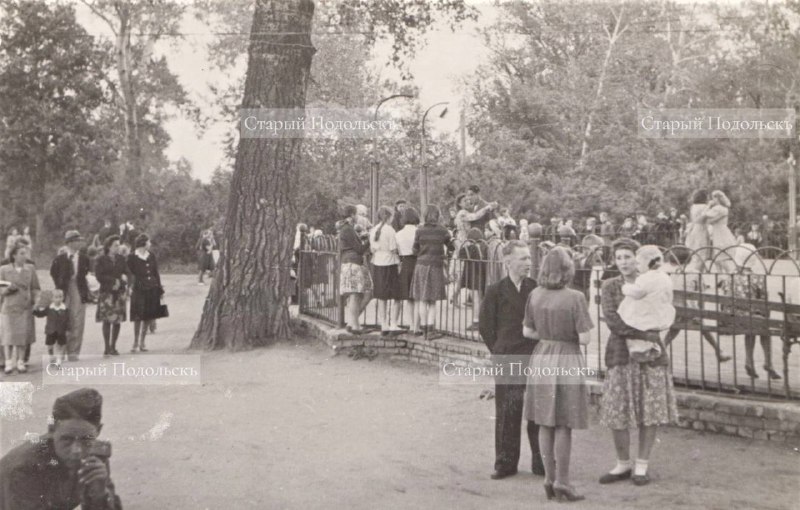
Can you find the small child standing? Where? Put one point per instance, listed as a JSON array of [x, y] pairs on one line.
[[56, 327], [648, 303]]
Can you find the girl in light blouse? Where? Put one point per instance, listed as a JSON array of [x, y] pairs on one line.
[[385, 271]]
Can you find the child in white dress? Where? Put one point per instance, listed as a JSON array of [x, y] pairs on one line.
[[648, 303]]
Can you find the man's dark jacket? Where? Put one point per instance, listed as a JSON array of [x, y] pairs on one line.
[[501, 316], [61, 270]]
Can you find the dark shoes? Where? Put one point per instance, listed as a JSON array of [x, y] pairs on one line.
[[566, 493], [611, 478], [499, 474], [771, 373], [636, 479]]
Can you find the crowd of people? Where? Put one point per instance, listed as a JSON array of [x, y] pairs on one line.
[[396, 255], [118, 272]]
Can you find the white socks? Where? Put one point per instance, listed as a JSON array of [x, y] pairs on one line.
[[641, 467], [621, 467]]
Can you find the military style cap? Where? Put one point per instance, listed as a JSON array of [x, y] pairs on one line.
[[85, 404]]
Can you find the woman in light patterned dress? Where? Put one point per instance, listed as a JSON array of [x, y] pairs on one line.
[[634, 394]]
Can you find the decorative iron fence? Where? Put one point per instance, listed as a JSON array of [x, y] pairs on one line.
[[721, 315]]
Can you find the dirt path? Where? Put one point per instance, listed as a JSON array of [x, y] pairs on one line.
[[295, 427]]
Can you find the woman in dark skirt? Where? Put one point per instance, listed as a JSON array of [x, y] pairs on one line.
[[408, 261], [429, 282], [146, 290], [473, 256], [111, 271], [386, 272], [556, 398]]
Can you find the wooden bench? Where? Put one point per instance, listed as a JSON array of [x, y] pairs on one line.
[[736, 316]]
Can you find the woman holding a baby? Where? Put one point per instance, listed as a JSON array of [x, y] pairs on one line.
[[638, 390]]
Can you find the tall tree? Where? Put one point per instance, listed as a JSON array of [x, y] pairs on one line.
[[244, 307], [50, 102], [137, 26]]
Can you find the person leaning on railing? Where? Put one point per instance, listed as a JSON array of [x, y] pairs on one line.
[[355, 280], [429, 281]]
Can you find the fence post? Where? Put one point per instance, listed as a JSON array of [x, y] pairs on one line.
[[336, 275], [298, 280]]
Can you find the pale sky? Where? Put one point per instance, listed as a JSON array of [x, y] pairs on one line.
[[438, 69]]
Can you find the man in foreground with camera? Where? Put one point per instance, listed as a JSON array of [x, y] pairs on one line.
[[67, 467]]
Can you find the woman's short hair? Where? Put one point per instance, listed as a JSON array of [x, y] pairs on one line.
[[141, 241], [459, 198], [12, 254], [700, 197], [410, 216], [349, 211], [625, 243], [432, 214], [108, 242], [721, 197], [557, 269]]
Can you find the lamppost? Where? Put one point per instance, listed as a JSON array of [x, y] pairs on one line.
[[792, 230], [374, 178], [423, 169]]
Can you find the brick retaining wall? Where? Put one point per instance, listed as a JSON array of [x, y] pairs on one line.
[[753, 419]]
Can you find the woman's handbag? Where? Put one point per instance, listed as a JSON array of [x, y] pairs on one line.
[[163, 310]]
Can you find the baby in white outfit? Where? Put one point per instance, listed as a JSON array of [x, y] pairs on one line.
[[648, 302]]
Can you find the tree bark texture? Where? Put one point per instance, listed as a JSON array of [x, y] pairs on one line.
[[125, 71], [248, 303]]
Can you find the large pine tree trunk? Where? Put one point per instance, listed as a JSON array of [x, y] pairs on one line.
[[247, 305]]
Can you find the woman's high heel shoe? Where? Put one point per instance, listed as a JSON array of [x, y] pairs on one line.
[[751, 372], [548, 490], [771, 373], [566, 493]]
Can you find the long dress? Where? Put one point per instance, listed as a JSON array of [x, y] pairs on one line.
[[557, 399], [721, 237], [697, 238]]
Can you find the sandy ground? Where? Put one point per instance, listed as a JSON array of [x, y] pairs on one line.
[[295, 427]]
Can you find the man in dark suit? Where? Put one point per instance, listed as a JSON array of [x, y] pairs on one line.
[[501, 316], [69, 270]]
